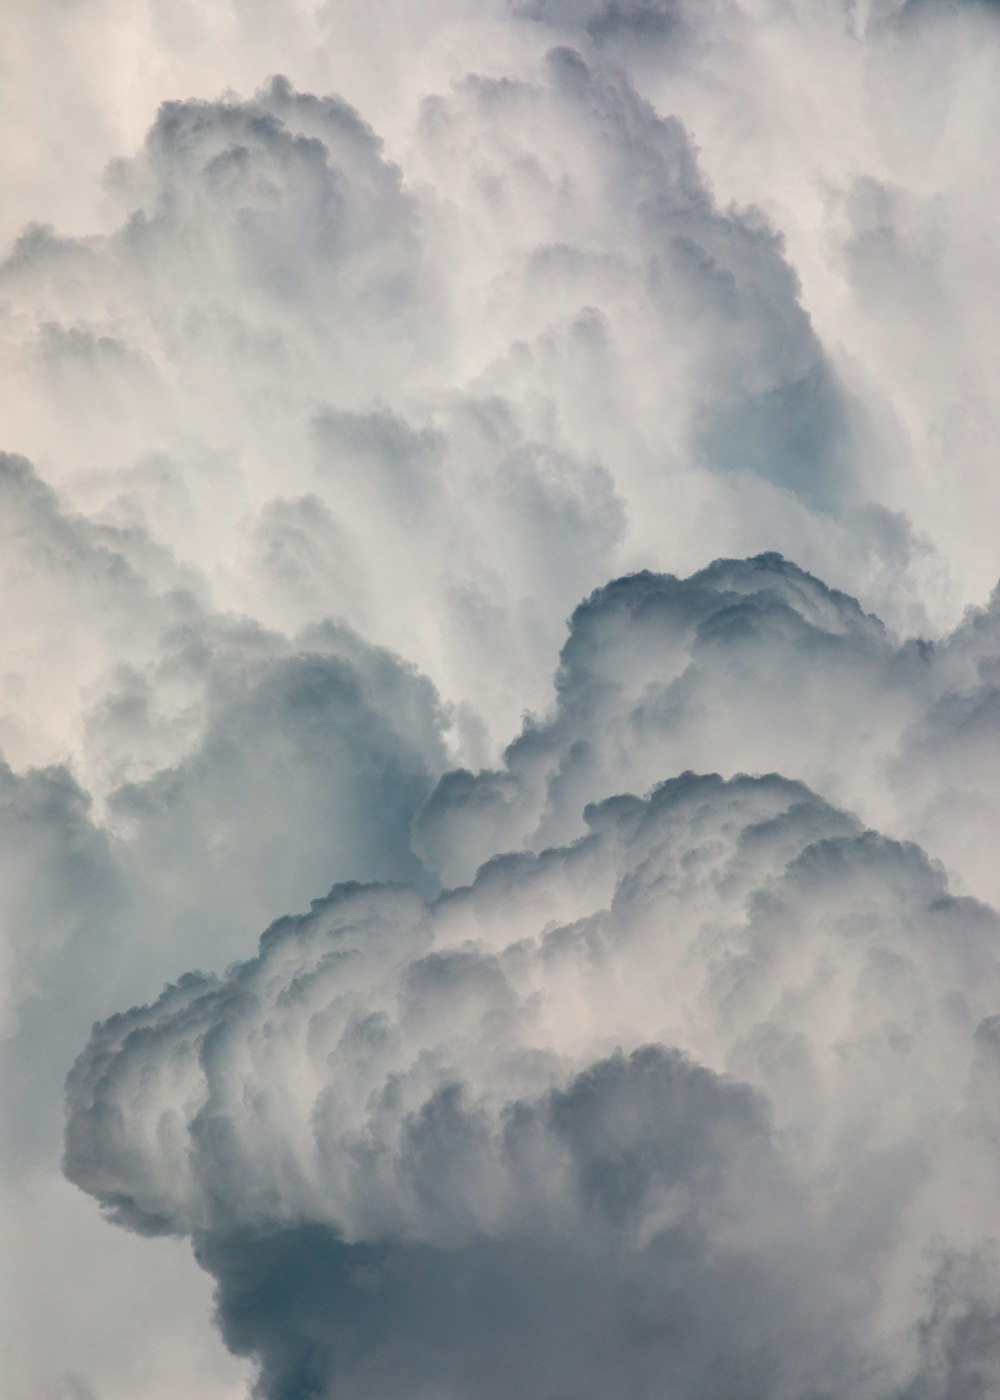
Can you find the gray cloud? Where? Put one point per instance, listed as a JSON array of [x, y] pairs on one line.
[[235, 770], [335, 407], [694, 1092], [749, 665]]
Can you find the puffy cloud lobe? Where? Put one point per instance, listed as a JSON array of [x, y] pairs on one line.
[[702, 1090], [748, 665], [267, 257], [61, 573], [120, 660], [287, 193], [176, 774], [285, 321], [596, 202], [159, 699], [314, 757]]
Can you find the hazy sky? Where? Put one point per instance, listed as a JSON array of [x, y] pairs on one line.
[[499, 497]]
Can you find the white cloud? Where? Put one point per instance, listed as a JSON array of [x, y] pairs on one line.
[[321, 415], [521, 1085], [536, 355], [747, 666]]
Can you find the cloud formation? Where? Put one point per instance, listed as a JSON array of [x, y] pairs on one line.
[[702, 1095], [442, 402], [326, 400], [747, 666]]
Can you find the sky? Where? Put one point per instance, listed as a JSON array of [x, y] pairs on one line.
[[500, 700]]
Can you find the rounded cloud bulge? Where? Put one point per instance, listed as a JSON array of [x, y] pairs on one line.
[[749, 665], [701, 1101], [441, 396], [690, 1086]]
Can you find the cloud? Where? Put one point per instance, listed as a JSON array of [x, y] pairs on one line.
[[748, 665], [690, 1096], [231, 770], [131, 707], [60, 889], [694, 1076], [326, 399], [218, 772], [537, 354]]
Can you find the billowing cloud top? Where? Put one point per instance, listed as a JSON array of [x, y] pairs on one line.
[[709, 1090], [624, 1057], [749, 665], [447, 400]]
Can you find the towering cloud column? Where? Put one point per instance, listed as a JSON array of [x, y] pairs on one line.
[[625, 1059]]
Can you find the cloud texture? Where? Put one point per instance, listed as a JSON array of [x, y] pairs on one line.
[[700, 1099], [749, 665], [699, 1103], [327, 398]]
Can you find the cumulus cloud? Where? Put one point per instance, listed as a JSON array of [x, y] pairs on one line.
[[748, 665], [235, 771], [690, 1098], [153, 701], [482, 382], [181, 774], [327, 398]]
